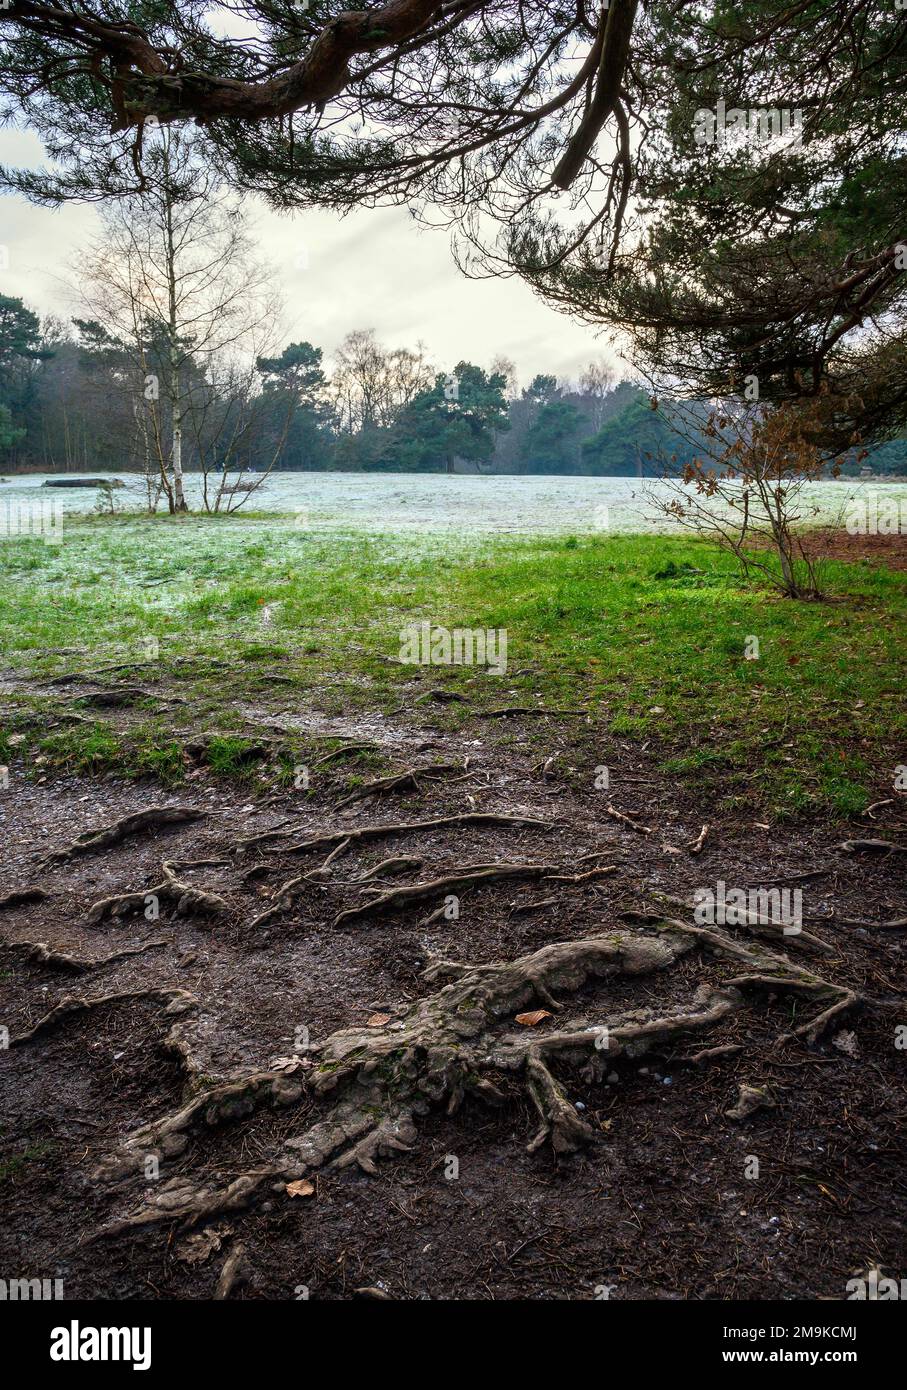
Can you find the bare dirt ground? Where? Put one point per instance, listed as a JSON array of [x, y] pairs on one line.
[[834, 543], [641, 1181]]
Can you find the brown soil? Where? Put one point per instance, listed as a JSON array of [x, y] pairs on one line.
[[834, 543], [658, 1205]]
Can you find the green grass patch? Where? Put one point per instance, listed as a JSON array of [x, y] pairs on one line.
[[653, 635]]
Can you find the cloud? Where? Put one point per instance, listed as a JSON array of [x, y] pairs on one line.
[[371, 269]]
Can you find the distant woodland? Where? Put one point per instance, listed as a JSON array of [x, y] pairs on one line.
[[74, 398]]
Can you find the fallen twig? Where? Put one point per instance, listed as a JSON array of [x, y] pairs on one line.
[[627, 819], [696, 846]]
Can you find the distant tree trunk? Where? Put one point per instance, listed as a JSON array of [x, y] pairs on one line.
[[176, 404], [179, 498]]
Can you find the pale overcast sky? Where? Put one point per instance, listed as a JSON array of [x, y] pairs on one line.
[[368, 270]]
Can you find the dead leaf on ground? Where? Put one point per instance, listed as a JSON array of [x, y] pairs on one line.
[[378, 1020], [531, 1019], [750, 1099], [195, 1249], [286, 1063], [847, 1043], [300, 1188]]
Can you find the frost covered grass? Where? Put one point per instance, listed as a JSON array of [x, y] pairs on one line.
[[652, 636]]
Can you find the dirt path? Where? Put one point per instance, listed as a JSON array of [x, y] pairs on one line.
[[258, 1031]]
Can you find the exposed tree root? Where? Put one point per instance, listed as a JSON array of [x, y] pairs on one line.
[[71, 716], [750, 1099], [20, 897], [376, 1081], [197, 745], [234, 1099], [843, 1001], [374, 832], [696, 846], [442, 697], [288, 892], [389, 866], [345, 752], [283, 899], [69, 677], [90, 841], [118, 696], [470, 876], [177, 865], [231, 1271], [792, 977], [408, 780], [186, 897], [513, 711], [518, 908], [180, 999], [271, 838], [601, 871], [760, 925], [880, 846], [894, 924], [42, 954], [707, 1054], [316, 875], [802, 877]]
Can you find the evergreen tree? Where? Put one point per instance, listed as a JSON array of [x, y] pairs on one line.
[[457, 418]]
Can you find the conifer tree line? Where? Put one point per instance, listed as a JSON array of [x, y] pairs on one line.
[[70, 403]]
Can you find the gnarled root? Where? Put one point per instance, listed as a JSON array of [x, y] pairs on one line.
[[375, 1081], [383, 1077], [42, 954], [560, 1122], [271, 839], [180, 1001], [186, 897], [232, 1100], [470, 876], [90, 841]]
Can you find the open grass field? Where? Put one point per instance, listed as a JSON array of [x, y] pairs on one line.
[[651, 637]]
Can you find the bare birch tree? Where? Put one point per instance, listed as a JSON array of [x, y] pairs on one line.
[[174, 278], [372, 383]]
